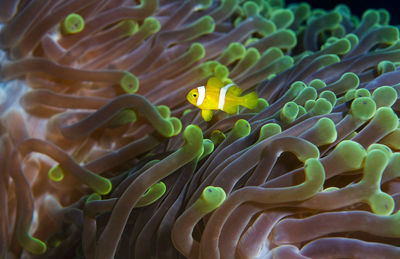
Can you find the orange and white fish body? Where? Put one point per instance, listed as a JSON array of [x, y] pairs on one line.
[[217, 96]]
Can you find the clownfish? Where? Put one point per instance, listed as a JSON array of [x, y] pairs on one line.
[[217, 96]]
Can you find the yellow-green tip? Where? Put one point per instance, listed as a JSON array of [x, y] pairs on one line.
[[164, 111], [152, 195], [211, 198], [241, 129], [100, 184], [217, 137], [56, 173], [208, 148], [31, 244], [93, 197], [73, 23], [177, 125], [129, 83]]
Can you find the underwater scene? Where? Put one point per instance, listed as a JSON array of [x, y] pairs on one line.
[[201, 129]]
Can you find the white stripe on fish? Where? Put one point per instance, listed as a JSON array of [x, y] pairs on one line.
[[222, 95], [202, 95]]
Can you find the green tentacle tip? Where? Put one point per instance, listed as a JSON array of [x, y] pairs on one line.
[[202, 5], [322, 106], [132, 27], [282, 18], [217, 137], [193, 137], [351, 78], [129, 83], [102, 185], [234, 51], [315, 173], [326, 129], [56, 173], [186, 112], [269, 130], [177, 125], [198, 50], [241, 128], [385, 149], [251, 9], [164, 111], [261, 105], [73, 23], [289, 112], [301, 112], [387, 119], [363, 108], [384, 96], [33, 245], [350, 95], [309, 105], [330, 189], [308, 93], [208, 147], [151, 25], [123, 117], [93, 197], [351, 153], [211, 198], [151, 195], [296, 88], [205, 25], [385, 67], [362, 93], [330, 96], [221, 71], [381, 203], [317, 84]]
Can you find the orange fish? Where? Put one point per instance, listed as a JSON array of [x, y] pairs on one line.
[[217, 96]]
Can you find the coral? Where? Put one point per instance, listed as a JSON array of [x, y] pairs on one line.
[[101, 155]]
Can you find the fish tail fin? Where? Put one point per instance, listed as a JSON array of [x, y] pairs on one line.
[[250, 100]]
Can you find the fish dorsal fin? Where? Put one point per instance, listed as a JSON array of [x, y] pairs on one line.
[[215, 82]]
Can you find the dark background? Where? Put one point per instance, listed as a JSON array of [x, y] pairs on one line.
[[358, 7]]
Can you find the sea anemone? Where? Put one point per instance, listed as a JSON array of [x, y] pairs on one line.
[[103, 157]]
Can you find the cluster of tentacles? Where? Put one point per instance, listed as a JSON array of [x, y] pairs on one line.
[[101, 155]]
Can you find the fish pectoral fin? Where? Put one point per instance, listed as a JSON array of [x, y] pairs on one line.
[[207, 114], [215, 82], [232, 109]]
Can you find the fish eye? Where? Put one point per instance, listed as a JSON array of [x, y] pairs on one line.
[[194, 95]]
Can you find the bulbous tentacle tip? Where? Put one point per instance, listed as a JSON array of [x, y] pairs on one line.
[[211, 198], [155, 192], [208, 148], [164, 111], [241, 128], [384, 96], [56, 173], [151, 24], [129, 83], [73, 23], [93, 197], [381, 203], [351, 153], [31, 244], [363, 108], [268, 130], [177, 125], [101, 185]]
